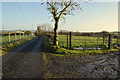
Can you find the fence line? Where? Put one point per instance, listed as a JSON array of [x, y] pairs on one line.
[[110, 41], [105, 40], [70, 40], [14, 37]]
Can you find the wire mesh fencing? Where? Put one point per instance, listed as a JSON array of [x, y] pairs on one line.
[[83, 42]]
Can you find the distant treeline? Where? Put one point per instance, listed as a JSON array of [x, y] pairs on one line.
[[11, 34], [103, 33], [81, 34]]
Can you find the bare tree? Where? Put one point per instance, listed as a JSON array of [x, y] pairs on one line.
[[59, 10], [49, 27], [46, 27], [39, 31]]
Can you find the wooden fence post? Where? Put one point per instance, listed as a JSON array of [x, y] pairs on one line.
[[70, 40], [9, 37], [15, 37], [23, 35], [110, 41], [20, 35], [67, 40]]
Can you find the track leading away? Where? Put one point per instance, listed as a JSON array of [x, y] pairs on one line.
[[29, 68]]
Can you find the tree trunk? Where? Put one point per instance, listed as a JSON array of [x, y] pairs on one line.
[[55, 42]]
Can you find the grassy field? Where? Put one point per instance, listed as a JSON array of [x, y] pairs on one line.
[[60, 50], [84, 41], [4, 49], [5, 39]]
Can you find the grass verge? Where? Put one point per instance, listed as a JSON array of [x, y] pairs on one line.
[[56, 50], [4, 49]]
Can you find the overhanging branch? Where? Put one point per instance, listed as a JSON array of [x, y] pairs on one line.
[[64, 10]]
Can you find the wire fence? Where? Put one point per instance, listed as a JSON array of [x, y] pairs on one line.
[[80, 42], [96, 41]]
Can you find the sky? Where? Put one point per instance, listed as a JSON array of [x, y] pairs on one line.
[[118, 16], [94, 17], [56, 0]]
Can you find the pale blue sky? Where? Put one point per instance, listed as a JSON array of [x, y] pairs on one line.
[[57, 0], [96, 16]]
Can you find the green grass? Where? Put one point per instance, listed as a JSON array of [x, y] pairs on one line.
[[79, 41], [4, 49], [61, 50], [5, 39]]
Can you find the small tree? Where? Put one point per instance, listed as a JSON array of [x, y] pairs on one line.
[[46, 27], [59, 10], [28, 32], [39, 31]]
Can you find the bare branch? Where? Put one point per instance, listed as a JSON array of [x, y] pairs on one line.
[[52, 9], [64, 10]]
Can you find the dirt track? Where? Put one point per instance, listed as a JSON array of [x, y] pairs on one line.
[[98, 66], [26, 61]]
